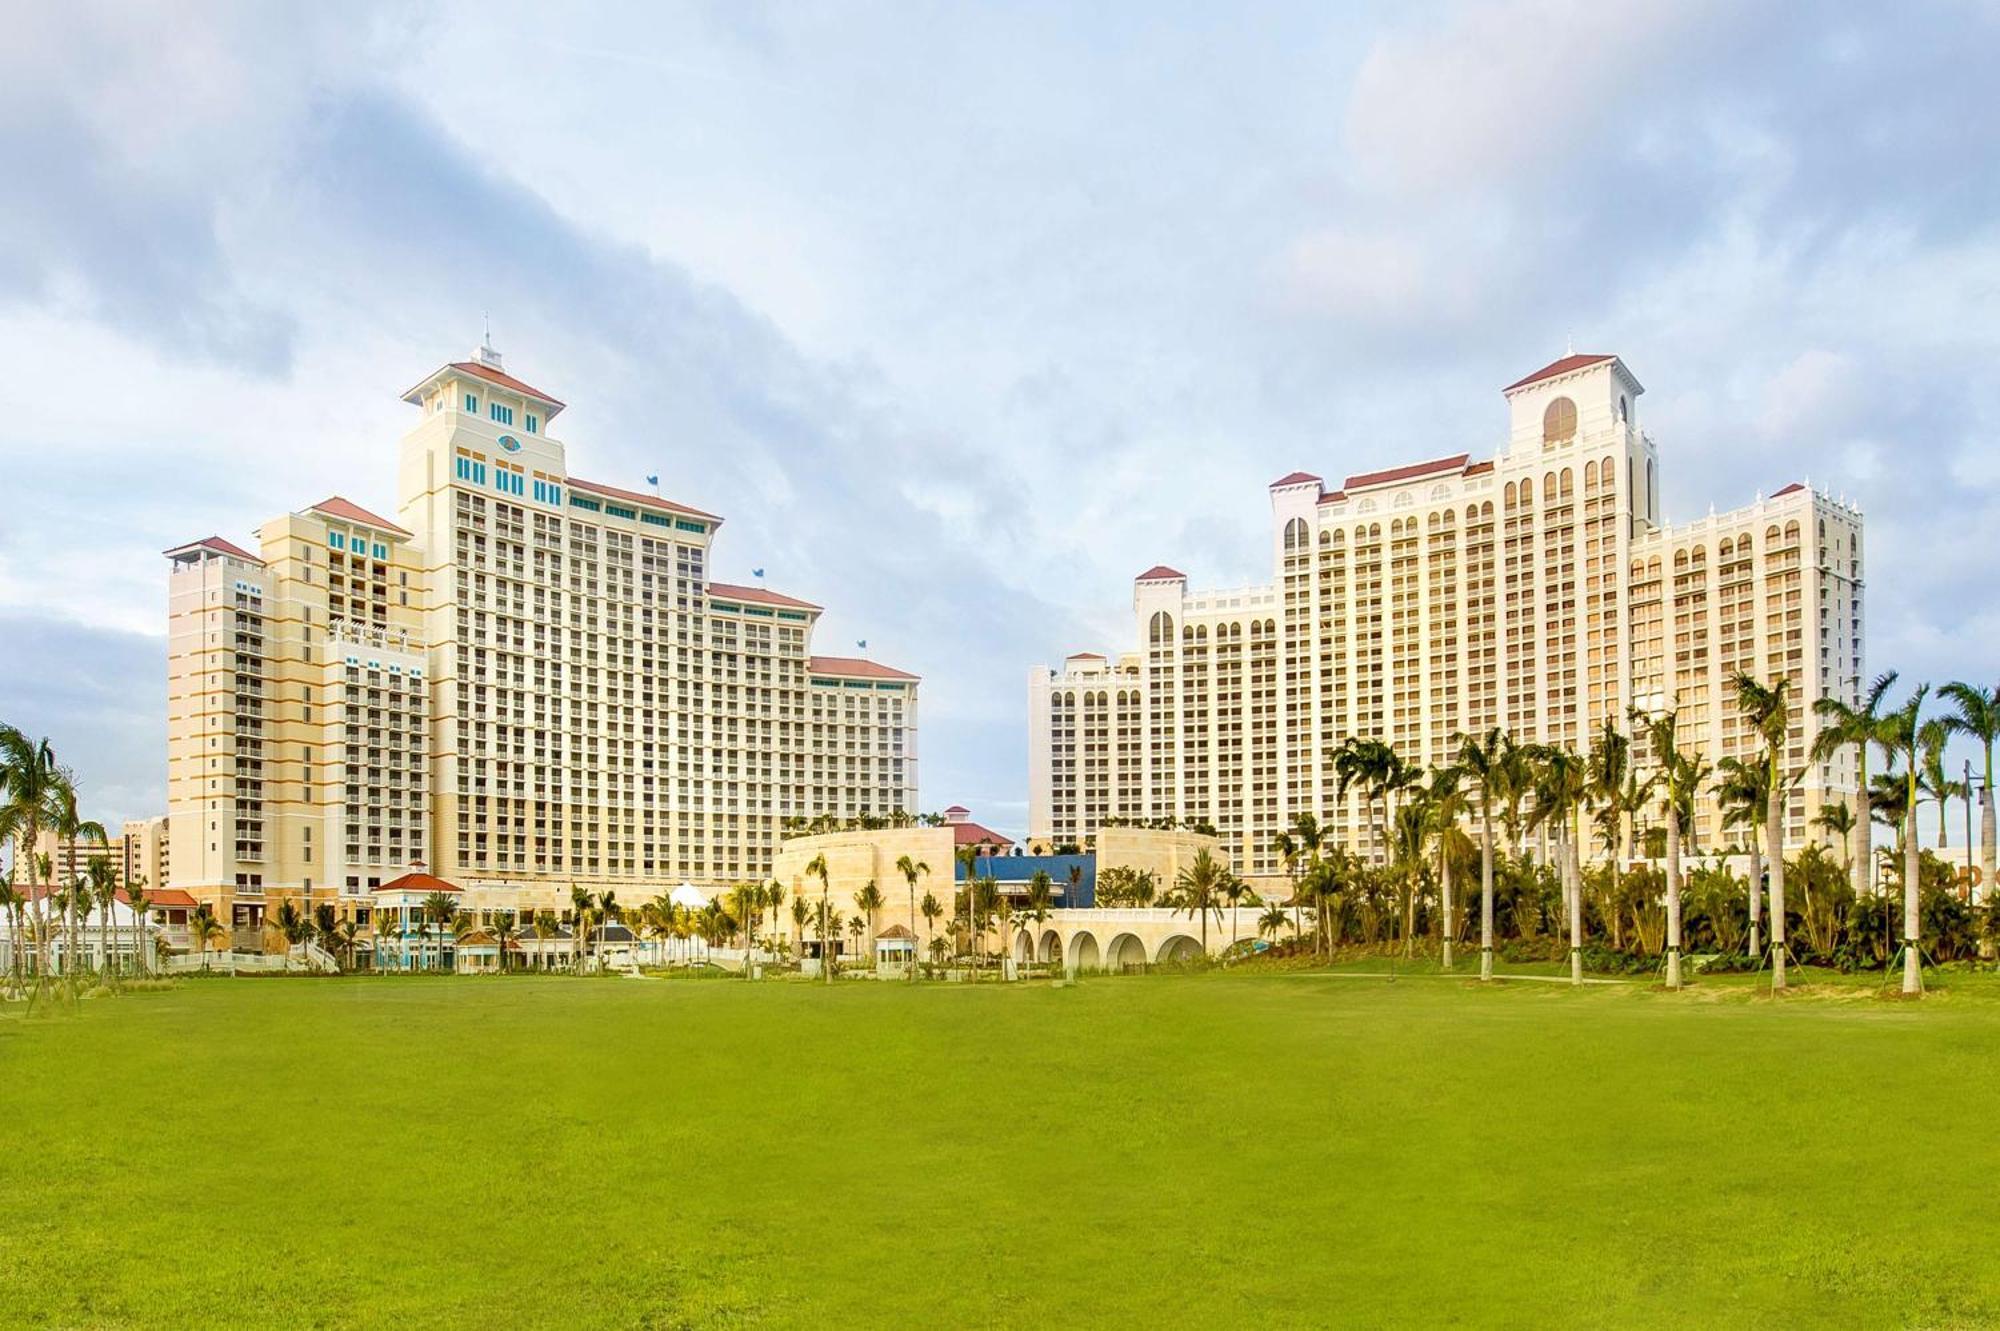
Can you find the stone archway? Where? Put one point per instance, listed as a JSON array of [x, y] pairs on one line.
[[1024, 946], [1125, 952], [1051, 946], [1083, 953], [1179, 948]]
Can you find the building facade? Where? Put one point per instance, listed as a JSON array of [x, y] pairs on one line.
[[525, 681], [1540, 592]]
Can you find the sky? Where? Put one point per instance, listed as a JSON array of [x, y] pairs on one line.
[[963, 317]]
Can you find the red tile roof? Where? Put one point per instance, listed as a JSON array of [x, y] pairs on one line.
[[1333, 497], [416, 882], [1794, 488], [491, 376], [636, 497], [972, 834], [1566, 365], [1456, 462], [1160, 573], [1296, 478], [853, 667], [336, 507], [1077, 656], [733, 591], [958, 808], [1479, 468], [166, 897], [216, 543]]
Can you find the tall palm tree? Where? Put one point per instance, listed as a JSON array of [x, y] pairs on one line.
[[1608, 770], [869, 899], [205, 930], [349, 936], [816, 868], [440, 910], [1976, 714], [1842, 725], [1767, 707], [1934, 782], [1742, 792], [137, 902], [967, 858], [747, 904], [1680, 777], [545, 927], [913, 869], [1837, 821], [1372, 767], [932, 910], [580, 903], [1041, 900], [1486, 760], [800, 914], [69, 828], [1196, 888], [1409, 843], [104, 893], [32, 786], [1234, 889], [1902, 736], [504, 928], [1446, 804]]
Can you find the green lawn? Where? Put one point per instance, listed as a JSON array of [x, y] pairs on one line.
[[1215, 1150]]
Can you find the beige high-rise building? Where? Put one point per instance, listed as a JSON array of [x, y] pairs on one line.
[[1540, 592], [525, 681]]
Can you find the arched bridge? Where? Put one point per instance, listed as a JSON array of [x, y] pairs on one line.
[[1124, 940]]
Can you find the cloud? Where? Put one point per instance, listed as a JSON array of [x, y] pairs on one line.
[[100, 697]]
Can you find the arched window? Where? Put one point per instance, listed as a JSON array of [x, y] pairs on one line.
[[1623, 408], [1559, 422], [1295, 534], [1162, 627]]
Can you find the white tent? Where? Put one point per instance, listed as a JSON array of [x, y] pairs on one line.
[[687, 894]]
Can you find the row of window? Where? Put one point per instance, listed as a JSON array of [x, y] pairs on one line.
[[337, 541]]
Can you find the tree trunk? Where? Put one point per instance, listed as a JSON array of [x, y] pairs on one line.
[[1862, 869], [1571, 871], [1756, 889], [1913, 981], [1986, 844], [1775, 831], [1444, 880], [1486, 892], [1673, 899]]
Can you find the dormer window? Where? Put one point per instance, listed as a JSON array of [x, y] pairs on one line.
[[472, 404], [1559, 422]]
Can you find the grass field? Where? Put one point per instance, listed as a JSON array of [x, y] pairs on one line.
[[1212, 1150]]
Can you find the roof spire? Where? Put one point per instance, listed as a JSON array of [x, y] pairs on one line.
[[486, 355]]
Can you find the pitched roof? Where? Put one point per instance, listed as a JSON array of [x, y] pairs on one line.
[[336, 507], [1081, 656], [737, 592], [1479, 468], [898, 931], [416, 881], [216, 543], [1456, 462], [855, 668], [165, 898], [491, 376], [958, 808], [636, 497], [1566, 365], [1793, 488], [1333, 497], [972, 834], [1160, 573], [1296, 478]]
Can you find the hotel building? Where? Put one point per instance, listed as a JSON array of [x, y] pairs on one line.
[[526, 680], [1540, 591]]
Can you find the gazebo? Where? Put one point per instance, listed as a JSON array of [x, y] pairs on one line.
[[398, 917], [895, 947]]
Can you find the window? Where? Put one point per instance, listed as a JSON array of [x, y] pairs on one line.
[[335, 541], [533, 424], [472, 403], [470, 470], [379, 551], [503, 414], [1559, 422]]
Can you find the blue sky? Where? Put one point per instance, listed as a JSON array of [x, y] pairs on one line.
[[960, 317]]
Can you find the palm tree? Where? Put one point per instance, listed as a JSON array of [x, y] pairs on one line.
[[1681, 776], [1933, 781], [1196, 889], [1560, 781], [69, 827], [931, 909], [1041, 900], [580, 904], [205, 929], [1234, 889], [869, 899], [348, 934], [1742, 792], [1272, 920], [1486, 761], [1768, 709], [33, 790], [504, 929], [11, 901], [816, 867], [104, 895], [1837, 821], [1372, 766], [136, 900], [1409, 837], [1903, 735], [294, 926], [546, 928], [967, 858], [1842, 725], [913, 869], [800, 914], [1445, 803], [1976, 714], [438, 909]]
